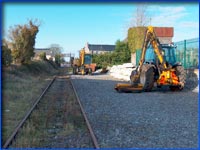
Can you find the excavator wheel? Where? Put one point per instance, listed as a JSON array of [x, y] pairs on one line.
[[147, 77], [181, 74]]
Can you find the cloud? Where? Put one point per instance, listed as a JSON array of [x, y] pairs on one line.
[[186, 30], [185, 23], [172, 10], [189, 24], [166, 16], [184, 19]]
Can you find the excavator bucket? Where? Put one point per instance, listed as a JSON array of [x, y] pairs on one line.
[[128, 88]]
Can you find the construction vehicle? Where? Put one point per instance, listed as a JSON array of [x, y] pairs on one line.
[[83, 65], [161, 69]]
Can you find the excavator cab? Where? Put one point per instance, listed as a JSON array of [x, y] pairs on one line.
[[168, 52]]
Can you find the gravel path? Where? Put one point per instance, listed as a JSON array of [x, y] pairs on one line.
[[157, 119]]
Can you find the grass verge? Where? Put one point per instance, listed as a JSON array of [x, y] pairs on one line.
[[21, 87]]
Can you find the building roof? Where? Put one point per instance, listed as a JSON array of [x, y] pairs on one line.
[[164, 31], [101, 47], [41, 50]]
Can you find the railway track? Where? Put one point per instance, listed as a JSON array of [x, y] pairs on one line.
[[60, 80], [87, 121]]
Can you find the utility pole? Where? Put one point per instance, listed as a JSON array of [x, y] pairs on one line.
[[150, 21]]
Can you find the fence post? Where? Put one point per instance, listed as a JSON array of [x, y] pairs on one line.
[[184, 54]]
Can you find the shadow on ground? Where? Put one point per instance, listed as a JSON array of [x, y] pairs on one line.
[[191, 79]]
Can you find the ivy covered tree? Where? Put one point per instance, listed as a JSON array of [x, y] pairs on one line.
[[136, 38], [141, 19], [23, 41]]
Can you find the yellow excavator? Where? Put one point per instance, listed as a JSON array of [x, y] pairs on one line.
[[83, 65], [158, 67]]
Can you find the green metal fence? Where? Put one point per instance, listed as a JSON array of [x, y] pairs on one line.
[[138, 54], [187, 53]]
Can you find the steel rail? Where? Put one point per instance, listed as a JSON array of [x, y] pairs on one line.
[[94, 139], [10, 139]]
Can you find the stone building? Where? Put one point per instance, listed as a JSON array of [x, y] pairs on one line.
[[98, 49]]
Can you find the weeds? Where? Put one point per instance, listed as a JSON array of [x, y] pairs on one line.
[[57, 122], [21, 87]]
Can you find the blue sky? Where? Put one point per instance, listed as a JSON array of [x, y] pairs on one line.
[[72, 25]]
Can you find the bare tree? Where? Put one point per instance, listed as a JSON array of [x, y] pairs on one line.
[[55, 49], [140, 16]]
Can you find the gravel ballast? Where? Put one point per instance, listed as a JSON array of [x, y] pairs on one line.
[[157, 119]]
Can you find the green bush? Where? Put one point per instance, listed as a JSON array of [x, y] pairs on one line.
[[43, 56], [121, 54], [58, 59], [6, 56]]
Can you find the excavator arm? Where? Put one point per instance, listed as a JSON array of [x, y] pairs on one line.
[[149, 38]]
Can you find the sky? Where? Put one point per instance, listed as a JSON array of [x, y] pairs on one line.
[[73, 25]]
